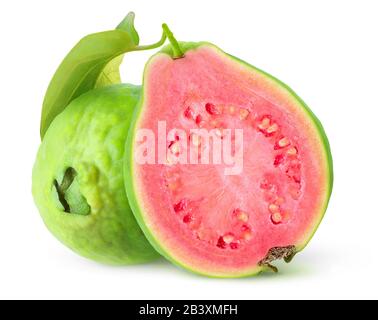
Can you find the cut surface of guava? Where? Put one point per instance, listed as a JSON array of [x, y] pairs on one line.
[[194, 214], [78, 178]]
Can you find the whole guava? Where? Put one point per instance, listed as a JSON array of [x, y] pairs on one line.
[[78, 182]]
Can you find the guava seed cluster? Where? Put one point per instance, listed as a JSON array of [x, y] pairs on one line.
[[285, 160]]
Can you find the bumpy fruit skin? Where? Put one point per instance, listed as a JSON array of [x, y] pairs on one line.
[[130, 178], [89, 137]]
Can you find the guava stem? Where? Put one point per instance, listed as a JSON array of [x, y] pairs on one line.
[[154, 45], [177, 52], [167, 33]]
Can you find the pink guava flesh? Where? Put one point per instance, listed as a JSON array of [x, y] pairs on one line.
[[226, 225]]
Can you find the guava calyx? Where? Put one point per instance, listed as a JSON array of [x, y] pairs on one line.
[[276, 253], [69, 195]]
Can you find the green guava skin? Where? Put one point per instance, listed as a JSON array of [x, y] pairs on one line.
[[89, 136], [129, 176]]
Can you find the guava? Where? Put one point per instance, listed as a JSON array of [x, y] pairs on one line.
[[196, 215], [78, 178]]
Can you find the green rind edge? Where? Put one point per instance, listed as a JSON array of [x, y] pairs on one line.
[[129, 177]]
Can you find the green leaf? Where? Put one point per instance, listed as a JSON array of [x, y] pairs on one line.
[[79, 71], [88, 65], [93, 62], [110, 75], [127, 25]]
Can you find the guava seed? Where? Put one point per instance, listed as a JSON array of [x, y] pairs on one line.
[[187, 218], [264, 124], [199, 121], [213, 109], [273, 208], [181, 205], [282, 143], [278, 160], [242, 216], [228, 238], [189, 113], [243, 114], [221, 244], [272, 129], [234, 245], [276, 218], [292, 151]]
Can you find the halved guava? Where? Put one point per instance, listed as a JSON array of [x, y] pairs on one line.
[[78, 178], [196, 215]]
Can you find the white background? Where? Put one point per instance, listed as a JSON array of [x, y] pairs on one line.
[[326, 50]]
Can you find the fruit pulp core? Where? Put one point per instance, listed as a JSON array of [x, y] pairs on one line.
[[210, 204], [196, 209]]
